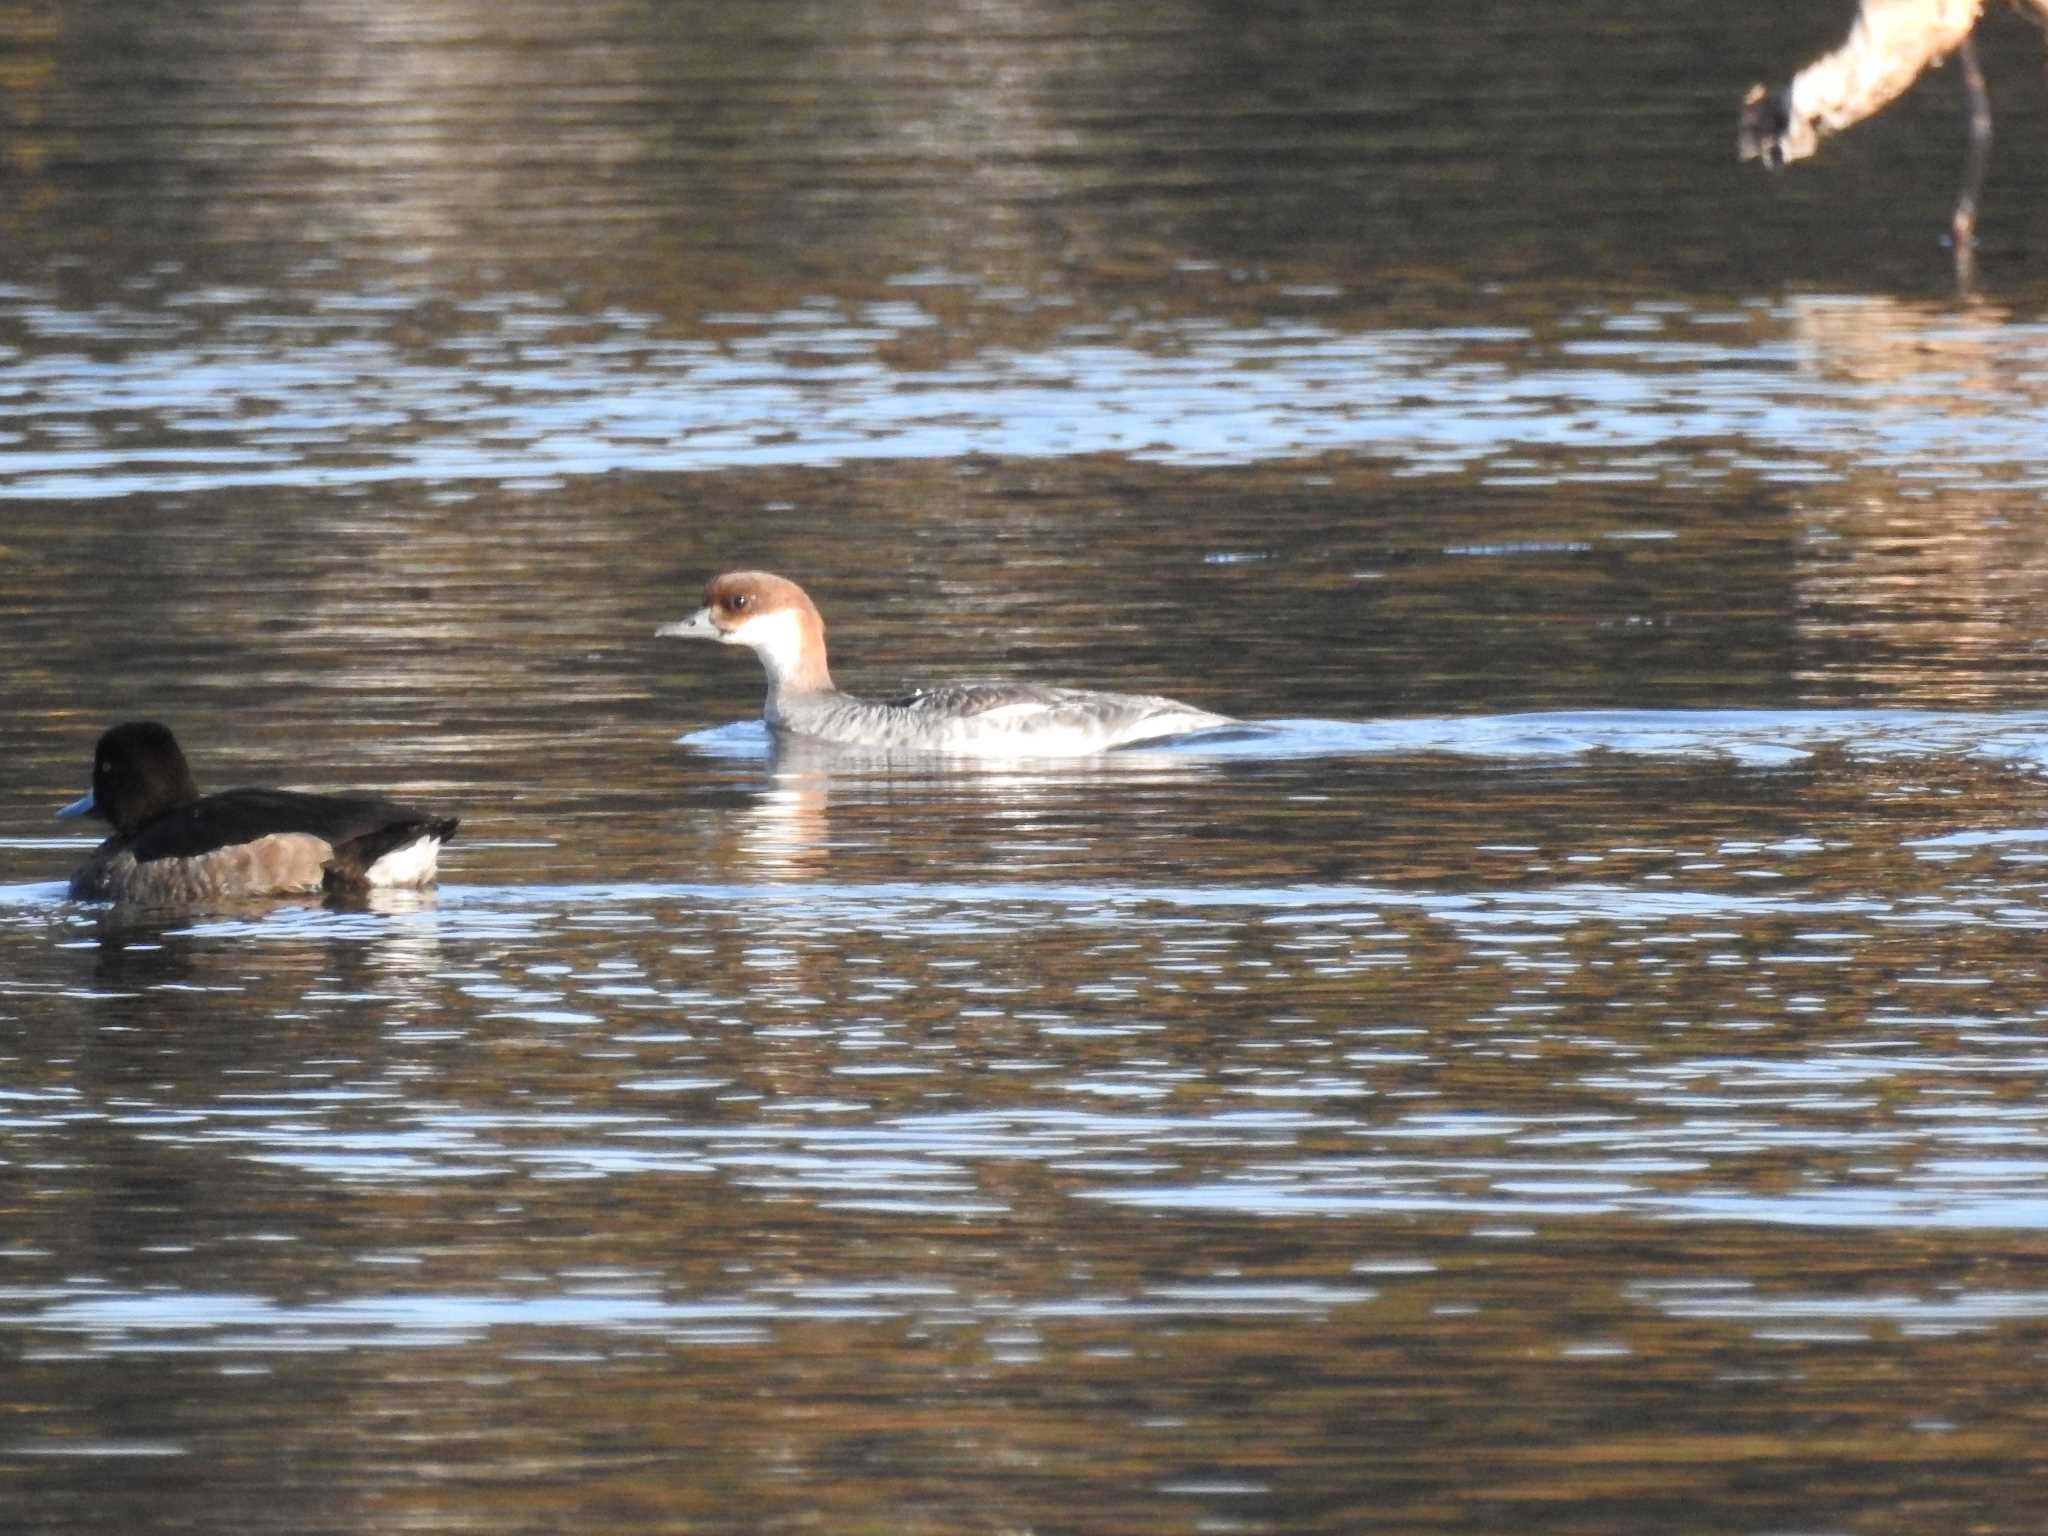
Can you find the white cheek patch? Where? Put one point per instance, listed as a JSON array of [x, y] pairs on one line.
[[777, 638]]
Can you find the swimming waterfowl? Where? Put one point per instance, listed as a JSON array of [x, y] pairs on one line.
[[776, 619], [172, 845]]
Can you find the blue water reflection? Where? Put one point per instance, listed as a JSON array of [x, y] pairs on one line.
[[217, 390], [1759, 738]]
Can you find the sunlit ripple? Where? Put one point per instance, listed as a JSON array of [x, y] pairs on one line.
[[1948, 1312], [1671, 1156], [174, 1322], [528, 394]]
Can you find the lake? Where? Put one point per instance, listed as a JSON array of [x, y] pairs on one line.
[[1582, 1067]]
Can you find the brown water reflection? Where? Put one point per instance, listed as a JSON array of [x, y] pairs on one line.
[[955, 1202], [1581, 1072]]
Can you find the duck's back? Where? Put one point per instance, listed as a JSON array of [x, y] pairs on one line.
[[238, 816]]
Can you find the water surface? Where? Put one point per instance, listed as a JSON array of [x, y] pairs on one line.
[[1566, 1073]]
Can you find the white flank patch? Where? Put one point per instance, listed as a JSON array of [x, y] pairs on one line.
[[414, 864], [1029, 729]]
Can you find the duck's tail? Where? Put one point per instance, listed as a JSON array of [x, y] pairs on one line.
[[404, 854]]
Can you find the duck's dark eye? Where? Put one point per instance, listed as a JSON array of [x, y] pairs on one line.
[[740, 602]]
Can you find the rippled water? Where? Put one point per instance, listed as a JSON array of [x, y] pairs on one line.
[[519, 391], [1577, 1066]]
